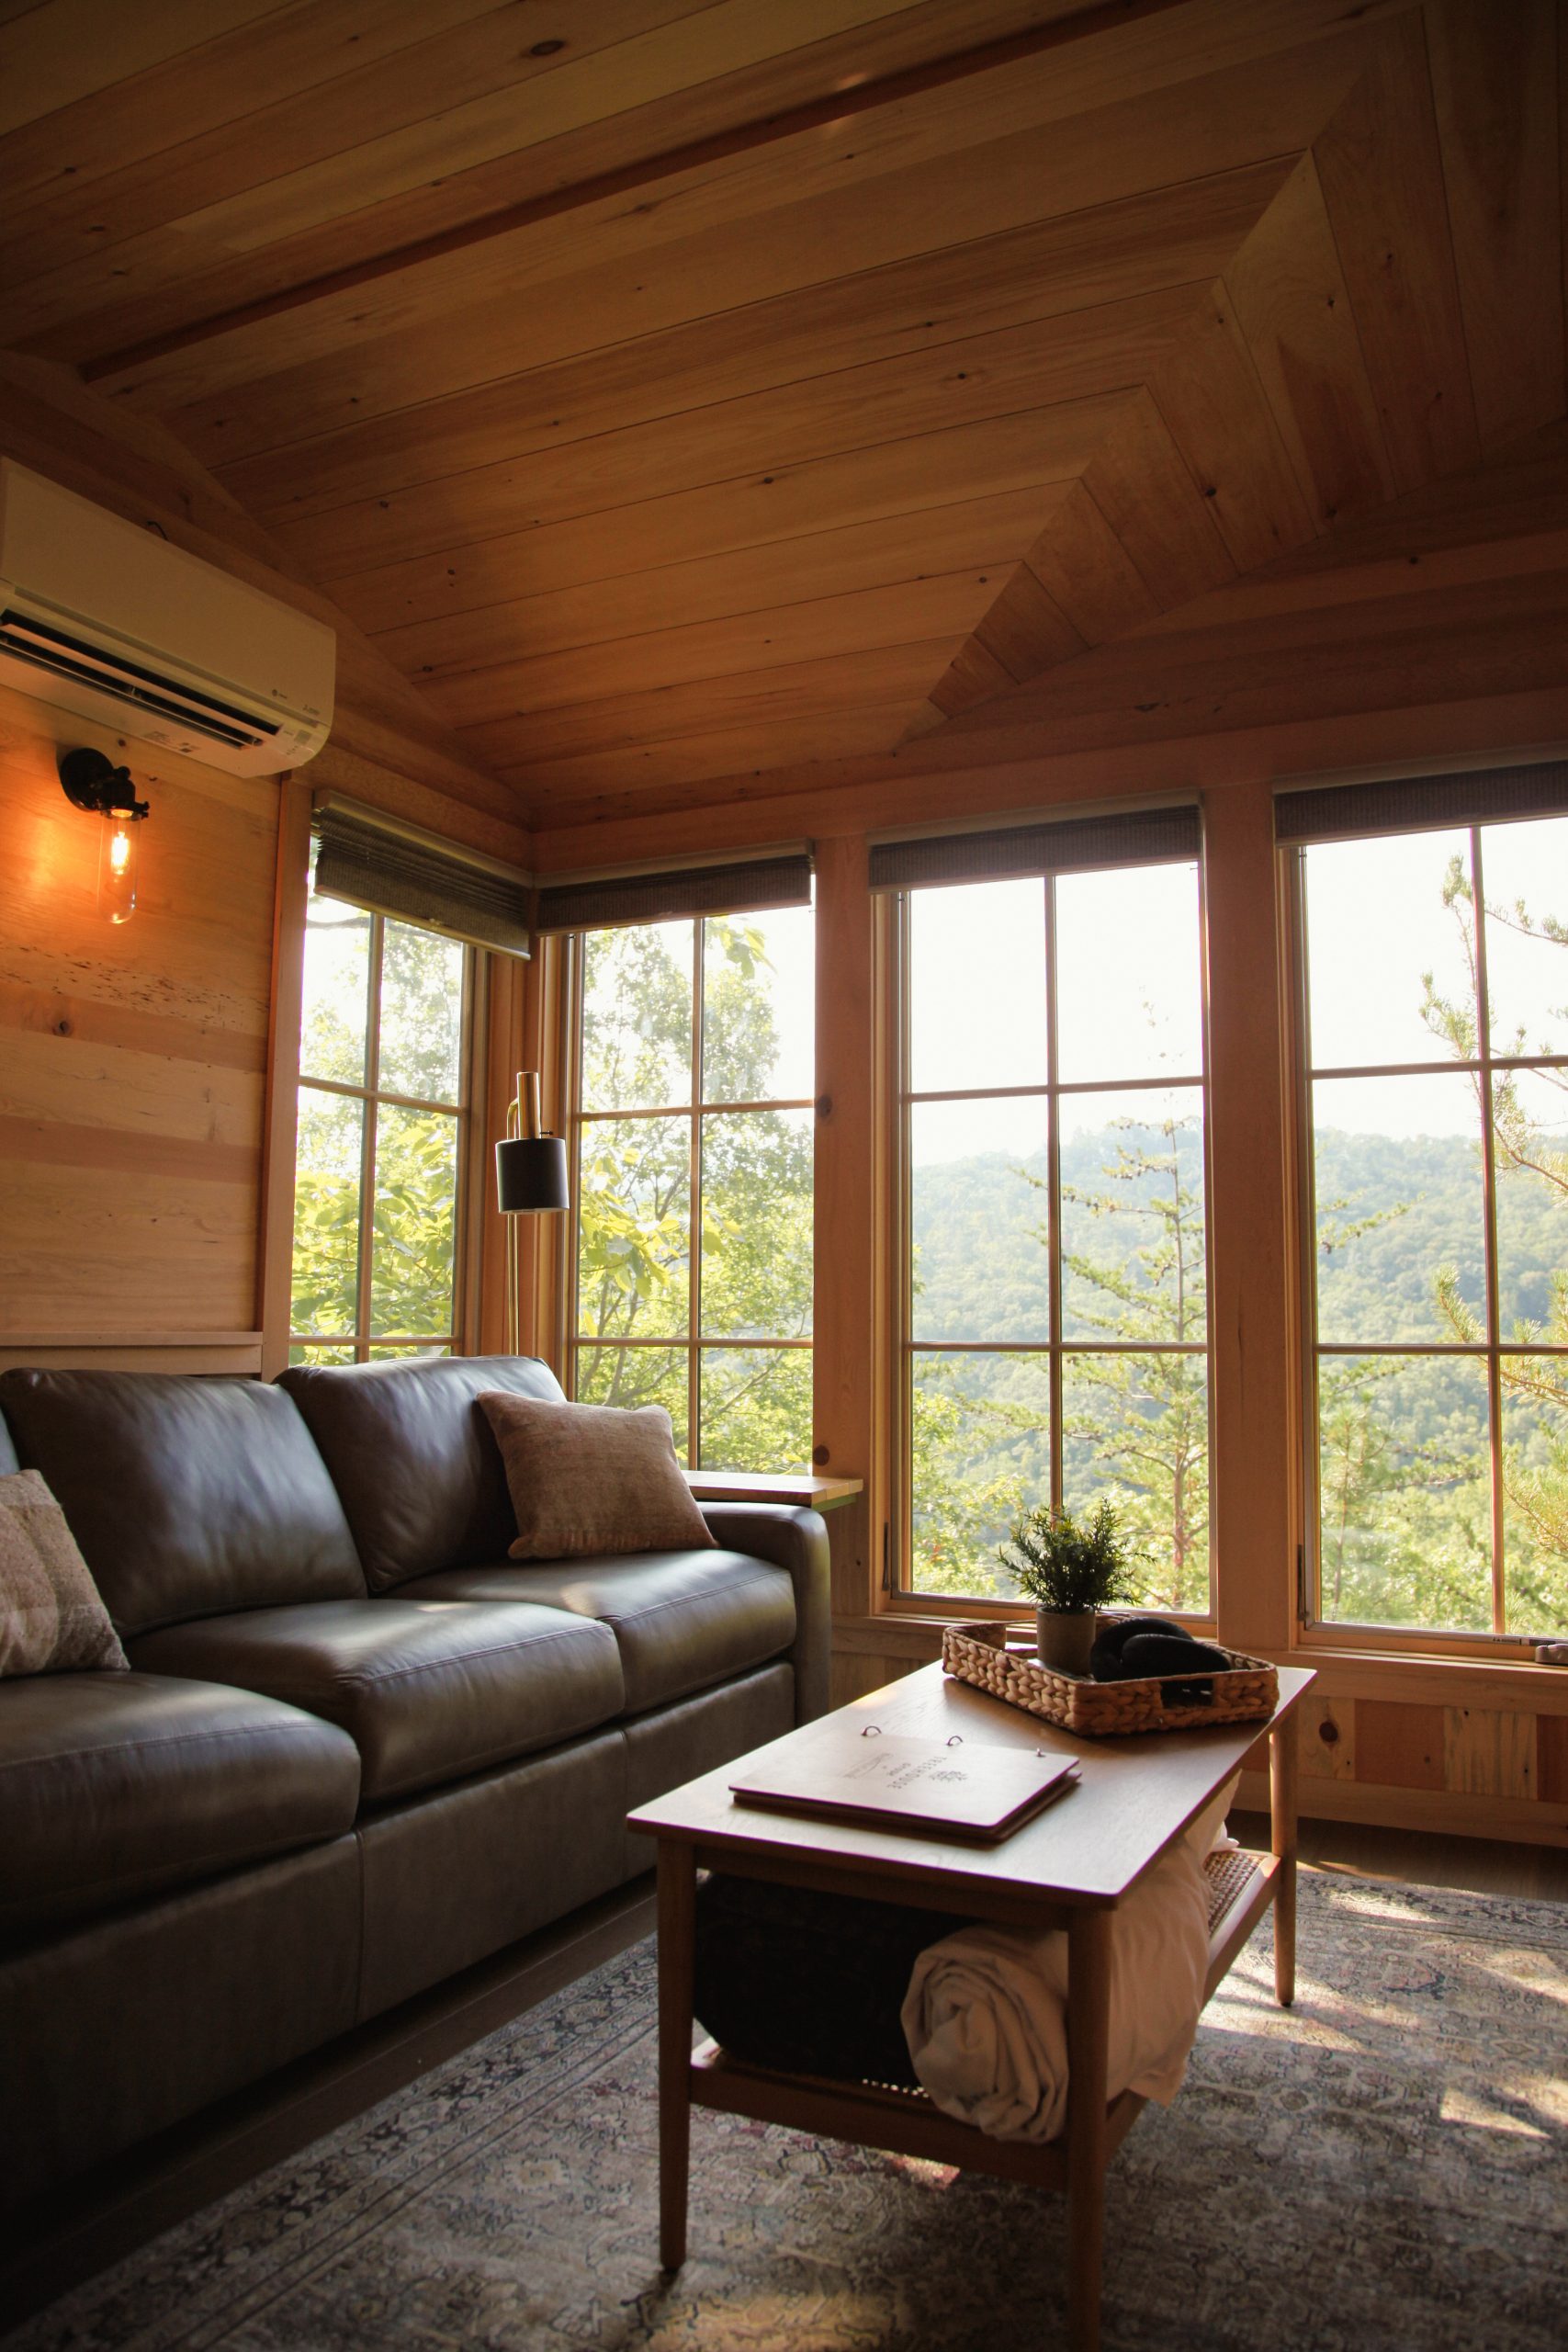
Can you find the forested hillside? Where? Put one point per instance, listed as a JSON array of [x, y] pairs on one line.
[[1405, 1495]]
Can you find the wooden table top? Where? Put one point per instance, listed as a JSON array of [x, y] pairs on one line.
[[1135, 1797], [803, 1488]]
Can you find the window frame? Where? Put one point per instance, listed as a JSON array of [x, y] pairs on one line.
[[1313, 1628], [897, 1595], [693, 1344], [369, 1346]]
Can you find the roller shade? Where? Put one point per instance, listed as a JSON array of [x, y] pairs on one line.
[[1129, 837], [1417, 804], [391, 869], [747, 885]]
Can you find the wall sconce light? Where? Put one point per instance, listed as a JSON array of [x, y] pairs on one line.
[[530, 1180], [91, 781]]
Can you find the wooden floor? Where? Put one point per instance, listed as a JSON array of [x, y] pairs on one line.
[[128, 2204]]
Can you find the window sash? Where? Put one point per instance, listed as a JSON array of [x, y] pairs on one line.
[[365, 1342], [1479, 799], [693, 1342], [1060, 1349]]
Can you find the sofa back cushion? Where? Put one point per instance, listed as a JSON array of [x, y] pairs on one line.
[[189, 1495], [9, 1462], [412, 1454]]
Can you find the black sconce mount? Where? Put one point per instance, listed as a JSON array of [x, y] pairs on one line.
[[90, 780]]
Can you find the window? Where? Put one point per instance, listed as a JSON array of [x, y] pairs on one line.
[[383, 1054], [693, 1148], [1435, 1014], [1054, 1321]]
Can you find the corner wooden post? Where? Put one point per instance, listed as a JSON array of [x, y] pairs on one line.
[[1254, 1339], [845, 1321], [1088, 2053], [275, 1240], [677, 1924]]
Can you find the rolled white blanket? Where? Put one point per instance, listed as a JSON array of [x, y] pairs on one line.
[[986, 2019]]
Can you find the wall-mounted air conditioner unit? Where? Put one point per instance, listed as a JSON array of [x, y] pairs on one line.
[[103, 617]]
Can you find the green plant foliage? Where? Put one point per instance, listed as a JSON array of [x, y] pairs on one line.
[[1062, 1563], [414, 1212], [1404, 1478], [414, 1222], [1143, 1420], [634, 1252], [1136, 1425], [979, 1445]]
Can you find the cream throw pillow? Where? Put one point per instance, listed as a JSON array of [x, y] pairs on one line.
[[593, 1478], [51, 1619]]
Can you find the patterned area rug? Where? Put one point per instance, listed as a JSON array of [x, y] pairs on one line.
[[1385, 2166]]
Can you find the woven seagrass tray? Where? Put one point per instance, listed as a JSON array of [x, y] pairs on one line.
[[979, 1654]]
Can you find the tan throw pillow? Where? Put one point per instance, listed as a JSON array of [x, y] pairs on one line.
[[593, 1478], [51, 1620]]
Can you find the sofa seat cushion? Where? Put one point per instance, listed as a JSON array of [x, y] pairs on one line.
[[681, 1620], [114, 1786], [429, 1691]]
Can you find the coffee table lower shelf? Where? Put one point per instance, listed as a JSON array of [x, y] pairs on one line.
[[878, 2115]]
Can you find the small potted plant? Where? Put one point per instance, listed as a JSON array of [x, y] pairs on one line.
[[1070, 1568]]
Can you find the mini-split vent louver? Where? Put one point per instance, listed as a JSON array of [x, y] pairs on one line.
[[102, 618]]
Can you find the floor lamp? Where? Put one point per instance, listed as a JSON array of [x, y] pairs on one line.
[[530, 1180]]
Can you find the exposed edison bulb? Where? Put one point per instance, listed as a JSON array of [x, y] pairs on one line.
[[117, 869]]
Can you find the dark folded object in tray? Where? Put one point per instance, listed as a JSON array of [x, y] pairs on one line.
[[809, 1983]]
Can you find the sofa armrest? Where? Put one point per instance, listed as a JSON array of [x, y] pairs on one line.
[[795, 1539]]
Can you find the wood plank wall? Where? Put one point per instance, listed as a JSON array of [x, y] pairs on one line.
[[132, 1058]]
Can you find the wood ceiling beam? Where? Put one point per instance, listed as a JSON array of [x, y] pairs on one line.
[[415, 142], [1097, 122], [630, 178]]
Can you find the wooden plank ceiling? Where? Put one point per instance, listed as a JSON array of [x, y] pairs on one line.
[[679, 392]]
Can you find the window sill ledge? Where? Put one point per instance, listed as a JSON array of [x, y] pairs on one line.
[[1418, 1674], [1518, 1685]]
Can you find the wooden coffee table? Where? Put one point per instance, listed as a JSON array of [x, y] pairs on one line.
[[1070, 1867]]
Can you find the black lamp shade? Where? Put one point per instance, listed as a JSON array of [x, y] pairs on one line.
[[530, 1173]]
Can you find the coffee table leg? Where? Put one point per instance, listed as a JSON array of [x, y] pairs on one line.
[[1282, 1824], [677, 1920], [1088, 2051]]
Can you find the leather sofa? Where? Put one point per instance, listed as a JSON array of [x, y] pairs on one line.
[[358, 1749]]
